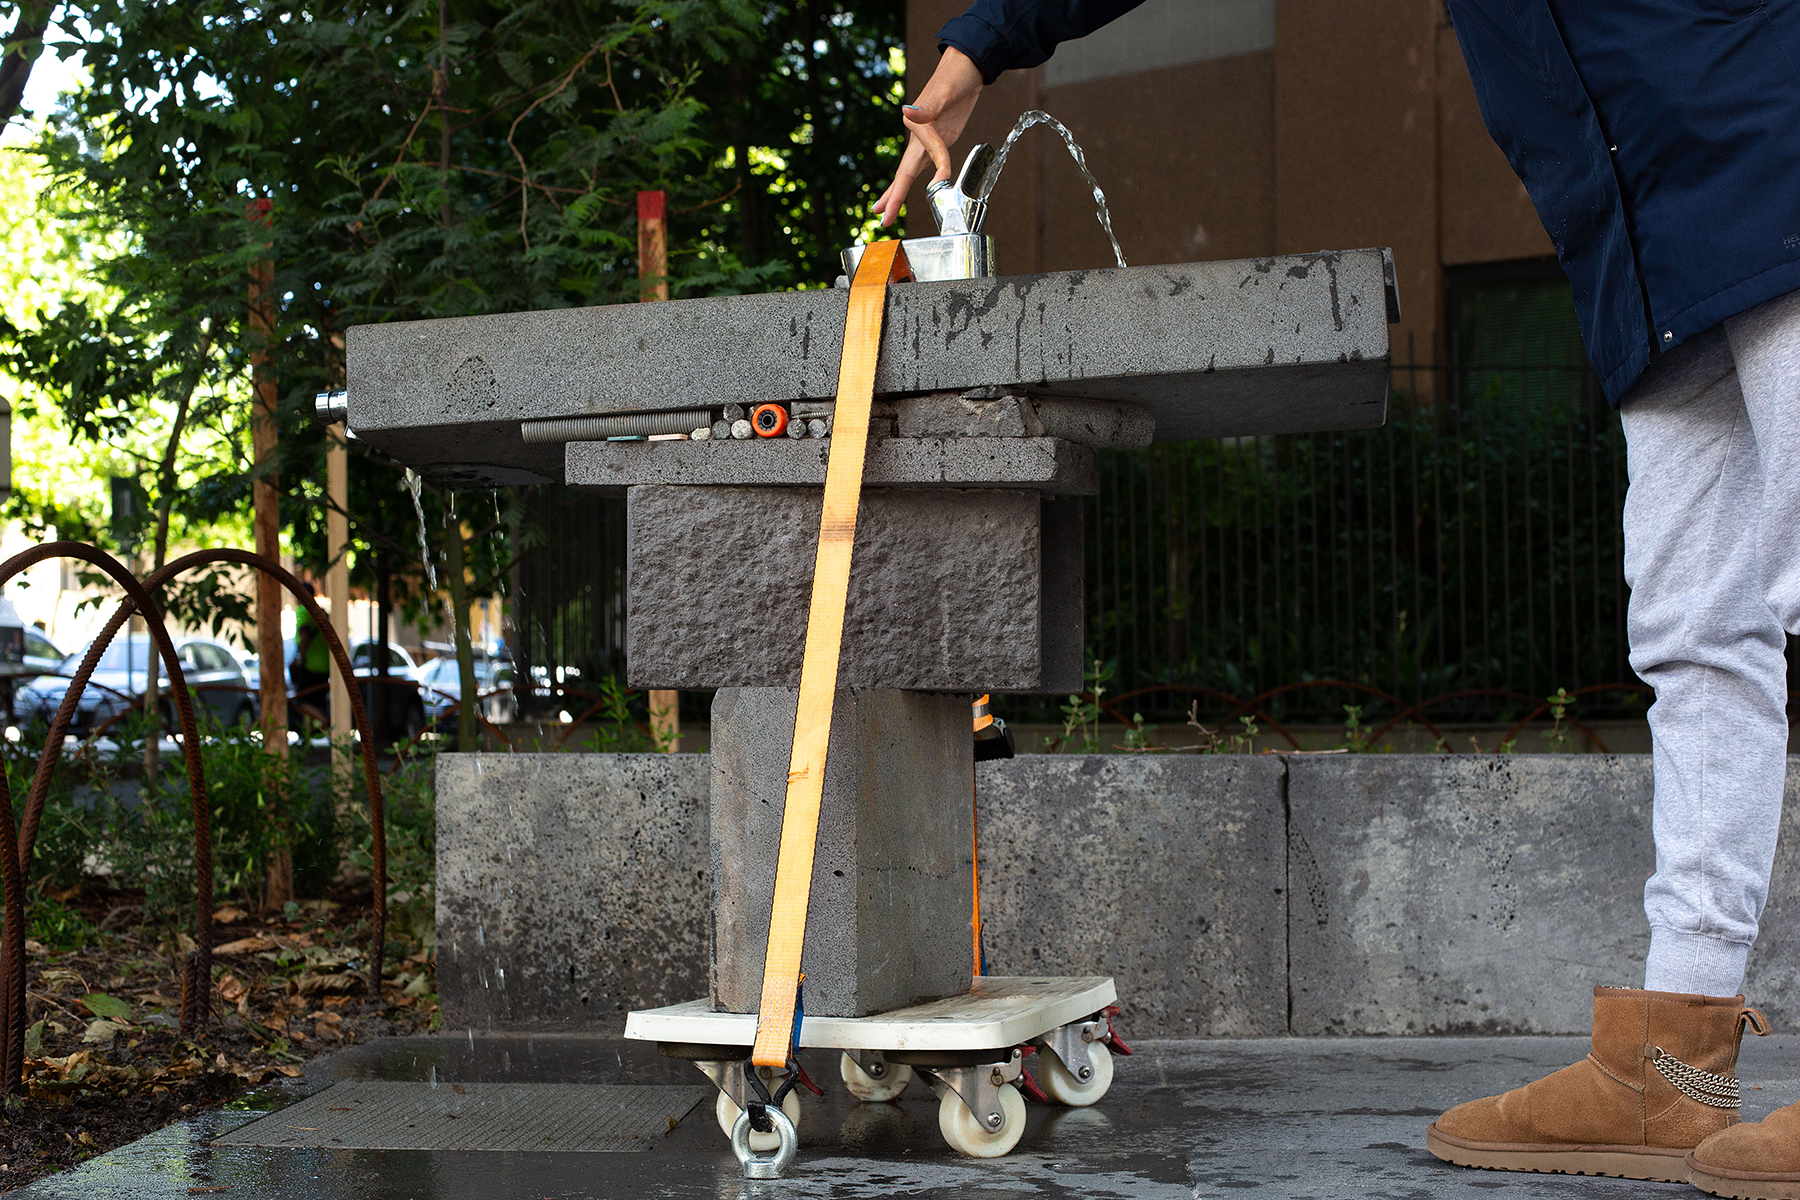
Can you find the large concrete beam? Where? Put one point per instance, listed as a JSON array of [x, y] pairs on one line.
[[1257, 346]]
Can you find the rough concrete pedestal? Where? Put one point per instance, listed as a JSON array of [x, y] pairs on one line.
[[888, 924]]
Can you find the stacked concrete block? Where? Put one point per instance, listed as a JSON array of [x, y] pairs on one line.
[[969, 590]]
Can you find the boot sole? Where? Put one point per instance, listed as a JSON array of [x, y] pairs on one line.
[[1650, 1163], [1742, 1185]]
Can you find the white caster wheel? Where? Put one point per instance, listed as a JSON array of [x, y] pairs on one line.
[[762, 1143], [968, 1135], [1060, 1084], [865, 1086]]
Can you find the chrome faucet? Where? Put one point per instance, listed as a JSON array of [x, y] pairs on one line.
[[960, 250], [956, 203]]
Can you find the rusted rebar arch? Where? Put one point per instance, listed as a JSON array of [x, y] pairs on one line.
[[371, 773], [16, 853]]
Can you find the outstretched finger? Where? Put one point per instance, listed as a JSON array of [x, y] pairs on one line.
[[912, 161], [933, 141]]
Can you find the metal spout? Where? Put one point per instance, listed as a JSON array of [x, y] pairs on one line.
[[955, 203]]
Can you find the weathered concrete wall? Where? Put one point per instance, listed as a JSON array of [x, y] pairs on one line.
[[571, 887], [1358, 893], [1464, 893], [1167, 873]]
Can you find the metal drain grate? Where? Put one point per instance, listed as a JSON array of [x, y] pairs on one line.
[[377, 1115]]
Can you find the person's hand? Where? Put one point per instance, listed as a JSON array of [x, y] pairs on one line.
[[934, 122]]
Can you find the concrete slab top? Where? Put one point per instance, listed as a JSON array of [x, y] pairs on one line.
[[1185, 1120], [1297, 343]]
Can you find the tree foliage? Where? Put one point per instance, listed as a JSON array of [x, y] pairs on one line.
[[423, 159]]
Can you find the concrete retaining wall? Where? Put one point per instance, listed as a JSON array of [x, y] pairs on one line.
[[1230, 896]]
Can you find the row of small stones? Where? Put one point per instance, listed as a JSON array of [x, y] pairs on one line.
[[735, 425]]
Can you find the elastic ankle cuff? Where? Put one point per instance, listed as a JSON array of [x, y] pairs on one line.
[[1694, 963]]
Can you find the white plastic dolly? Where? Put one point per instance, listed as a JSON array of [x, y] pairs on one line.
[[969, 1047]]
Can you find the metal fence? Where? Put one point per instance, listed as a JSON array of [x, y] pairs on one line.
[[1468, 554], [567, 619], [1470, 547]]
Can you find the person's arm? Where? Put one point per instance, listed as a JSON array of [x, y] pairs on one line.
[[992, 37]]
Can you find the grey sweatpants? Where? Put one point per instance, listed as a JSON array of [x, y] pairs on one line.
[[1712, 555]]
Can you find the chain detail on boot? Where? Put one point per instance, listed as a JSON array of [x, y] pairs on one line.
[[1709, 1088]]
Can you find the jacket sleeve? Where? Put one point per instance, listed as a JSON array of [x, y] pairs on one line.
[[1005, 35]]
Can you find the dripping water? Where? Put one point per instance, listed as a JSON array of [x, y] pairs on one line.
[[1039, 117], [413, 484]]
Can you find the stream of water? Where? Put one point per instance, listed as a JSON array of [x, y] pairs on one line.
[[413, 485], [1039, 117]]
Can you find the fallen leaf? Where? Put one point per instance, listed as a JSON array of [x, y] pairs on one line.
[[290, 1072], [338, 982], [32, 947], [110, 1007], [85, 1138], [103, 1031], [186, 943], [229, 915], [231, 988], [249, 945], [459, 1089]]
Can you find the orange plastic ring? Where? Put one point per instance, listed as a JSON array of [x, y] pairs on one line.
[[769, 420]]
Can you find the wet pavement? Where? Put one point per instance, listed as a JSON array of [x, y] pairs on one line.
[[1289, 1118]]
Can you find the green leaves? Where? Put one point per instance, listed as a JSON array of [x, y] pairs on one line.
[[109, 1008]]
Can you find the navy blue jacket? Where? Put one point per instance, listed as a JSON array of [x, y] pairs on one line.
[[1659, 139]]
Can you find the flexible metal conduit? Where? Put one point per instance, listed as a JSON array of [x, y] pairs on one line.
[[594, 429]]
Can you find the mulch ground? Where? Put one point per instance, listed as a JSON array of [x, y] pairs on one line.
[[105, 1061]]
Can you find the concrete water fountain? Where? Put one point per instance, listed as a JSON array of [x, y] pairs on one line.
[[992, 397]]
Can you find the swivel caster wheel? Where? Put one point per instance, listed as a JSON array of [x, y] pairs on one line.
[[968, 1134], [1061, 1085], [762, 1143], [876, 1089]]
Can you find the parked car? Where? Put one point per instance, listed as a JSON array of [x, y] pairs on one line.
[[441, 688], [213, 675], [405, 711], [41, 654]]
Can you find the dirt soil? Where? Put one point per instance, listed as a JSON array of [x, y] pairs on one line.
[[105, 1062]]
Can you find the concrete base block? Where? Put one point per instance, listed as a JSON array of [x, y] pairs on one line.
[[888, 922], [954, 591], [571, 888], [1167, 873]]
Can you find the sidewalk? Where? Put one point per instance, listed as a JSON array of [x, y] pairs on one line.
[[1287, 1118]]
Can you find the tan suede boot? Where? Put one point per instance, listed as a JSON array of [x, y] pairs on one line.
[[1658, 1081], [1758, 1160]]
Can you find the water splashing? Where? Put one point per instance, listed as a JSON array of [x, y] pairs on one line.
[[1039, 117], [413, 484]]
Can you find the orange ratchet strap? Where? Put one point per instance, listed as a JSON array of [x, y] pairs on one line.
[[882, 263]]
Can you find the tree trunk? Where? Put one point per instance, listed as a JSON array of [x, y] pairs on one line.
[[165, 503], [23, 45]]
